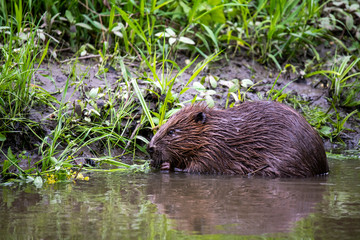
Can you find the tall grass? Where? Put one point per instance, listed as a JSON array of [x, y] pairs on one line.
[[280, 29], [344, 81], [22, 53], [274, 31], [21, 60]]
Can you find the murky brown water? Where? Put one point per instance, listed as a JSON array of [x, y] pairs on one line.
[[174, 206]]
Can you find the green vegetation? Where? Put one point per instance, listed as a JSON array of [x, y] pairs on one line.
[[93, 128]]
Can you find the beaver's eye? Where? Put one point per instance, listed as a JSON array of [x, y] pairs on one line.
[[171, 132]]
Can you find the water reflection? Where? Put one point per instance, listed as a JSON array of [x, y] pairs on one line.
[[237, 205], [110, 206], [172, 206]]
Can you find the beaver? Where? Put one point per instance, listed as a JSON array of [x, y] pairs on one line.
[[263, 138]]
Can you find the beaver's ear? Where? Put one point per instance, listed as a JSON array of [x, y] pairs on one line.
[[200, 117]]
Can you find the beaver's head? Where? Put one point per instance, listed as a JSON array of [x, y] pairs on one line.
[[178, 141]]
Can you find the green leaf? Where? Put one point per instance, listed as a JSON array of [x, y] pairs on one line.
[[228, 84], [69, 16], [115, 163], [349, 21], [214, 2], [210, 101], [210, 92], [38, 182], [98, 25], [323, 72], [275, 61], [171, 112], [84, 25], [29, 179], [325, 23], [93, 93], [111, 19], [211, 35], [198, 86], [354, 7], [213, 82], [142, 102], [218, 16], [206, 61], [44, 53], [170, 32], [187, 40], [67, 165], [156, 120], [53, 160], [2, 137], [346, 118], [325, 131], [246, 83], [279, 92], [185, 7], [234, 88], [172, 40], [134, 26], [5, 166], [153, 8], [235, 96], [141, 138], [191, 19], [10, 155]]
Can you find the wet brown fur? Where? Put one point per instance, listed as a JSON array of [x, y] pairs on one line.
[[260, 138]]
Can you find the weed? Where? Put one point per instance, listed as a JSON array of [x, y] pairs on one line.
[[343, 84], [328, 124]]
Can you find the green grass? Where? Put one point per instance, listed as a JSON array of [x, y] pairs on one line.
[[62, 148], [328, 123]]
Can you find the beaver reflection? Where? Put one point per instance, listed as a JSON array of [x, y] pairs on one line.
[[209, 204]]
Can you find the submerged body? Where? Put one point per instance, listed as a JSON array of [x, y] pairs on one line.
[[260, 138]]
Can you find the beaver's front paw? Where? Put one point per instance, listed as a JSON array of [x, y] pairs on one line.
[[165, 166]]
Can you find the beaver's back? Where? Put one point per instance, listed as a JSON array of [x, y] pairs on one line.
[[274, 138]]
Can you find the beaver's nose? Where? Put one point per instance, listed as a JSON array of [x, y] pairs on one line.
[[150, 150]]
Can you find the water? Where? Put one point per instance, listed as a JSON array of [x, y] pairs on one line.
[[187, 206]]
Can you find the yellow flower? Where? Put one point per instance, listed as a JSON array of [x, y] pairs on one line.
[[51, 180], [80, 176], [86, 178]]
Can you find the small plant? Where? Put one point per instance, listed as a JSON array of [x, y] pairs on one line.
[[163, 83], [329, 125], [343, 84]]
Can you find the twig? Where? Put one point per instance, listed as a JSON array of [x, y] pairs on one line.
[[131, 137], [103, 32], [78, 171], [137, 53], [257, 170], [80, 58]]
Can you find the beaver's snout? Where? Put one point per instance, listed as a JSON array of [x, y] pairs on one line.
[[150, 150]]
